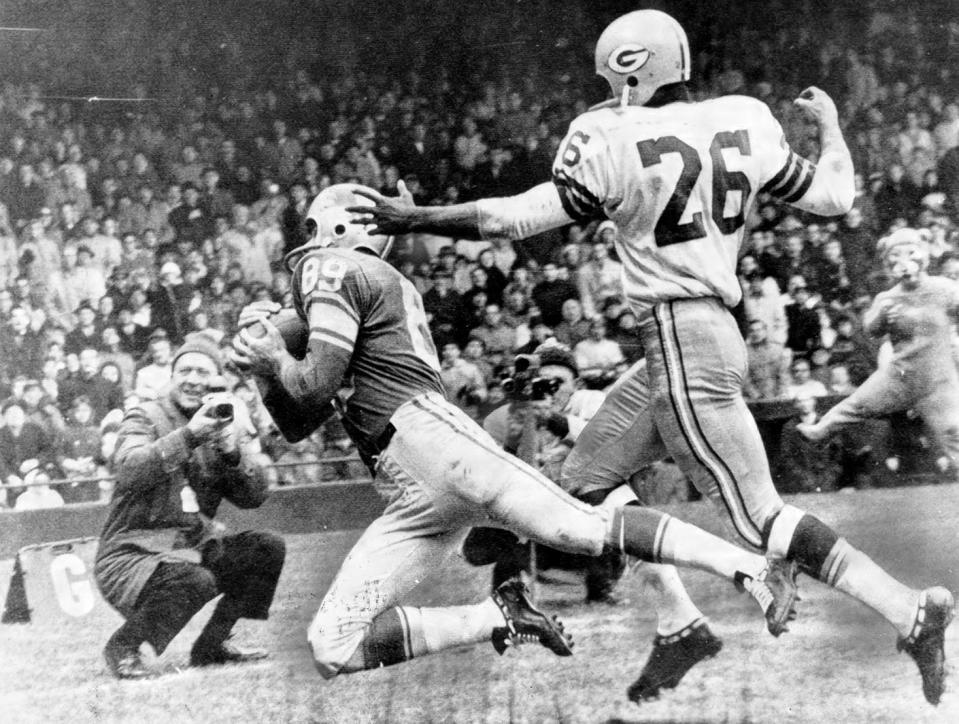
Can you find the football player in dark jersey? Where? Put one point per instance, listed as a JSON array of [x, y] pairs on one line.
[[442, 471]]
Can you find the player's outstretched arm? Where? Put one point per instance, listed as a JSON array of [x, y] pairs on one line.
[[827, 188], [518, 217]]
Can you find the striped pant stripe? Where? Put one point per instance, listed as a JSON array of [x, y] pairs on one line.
[[407, 638], [692, 431]]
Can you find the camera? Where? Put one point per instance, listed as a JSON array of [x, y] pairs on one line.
[[221, 410], [526, 385]]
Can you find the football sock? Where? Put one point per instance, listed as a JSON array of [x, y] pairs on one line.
[[450, 626], [822, 554], [659, 538], [674, 608], [404, 632]]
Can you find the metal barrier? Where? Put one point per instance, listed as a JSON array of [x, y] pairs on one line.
[[346, 459]]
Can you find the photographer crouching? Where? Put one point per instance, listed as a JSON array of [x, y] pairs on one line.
[[545, 414], [162, 556]]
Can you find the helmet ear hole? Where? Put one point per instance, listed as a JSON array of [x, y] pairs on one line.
[[632, 81], [339, 229]]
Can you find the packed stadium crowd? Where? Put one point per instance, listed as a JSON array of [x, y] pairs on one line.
[[125, 226]]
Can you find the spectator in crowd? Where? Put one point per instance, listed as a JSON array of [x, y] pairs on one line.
[[802, 320], [550, 293], [840, 382], [802, 384], [463, 381], [897, 198], [23, 348], [475, 353], [837, 285], [169, 300], [858, 247], [133, 337], [495, 278], [152, 378], [294, 218], [497, 336], [189, 221], [767, 375], [38, 494], [852, 349], [444, 307], [20, 440], [111, 352], [479, 286], [102, 395], [574, 327], [760, 303], [85, 334], [805, 467], [599, 278], [599, 359], [40, 408], [79, 449], [626, 335], [162, 556]]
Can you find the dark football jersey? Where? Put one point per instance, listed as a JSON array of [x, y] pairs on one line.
[[368, 309]]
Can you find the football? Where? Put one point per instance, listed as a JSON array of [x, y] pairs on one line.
[[293, 329]]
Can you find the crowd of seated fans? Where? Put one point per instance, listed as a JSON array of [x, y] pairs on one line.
[[122, 232]]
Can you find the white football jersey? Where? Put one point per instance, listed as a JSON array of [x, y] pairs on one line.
[[678, 180]]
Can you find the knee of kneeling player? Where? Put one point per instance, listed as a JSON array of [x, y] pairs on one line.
[[331, 646]]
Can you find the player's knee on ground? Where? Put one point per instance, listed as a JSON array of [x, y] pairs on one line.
[[334, 637], [342, 645]]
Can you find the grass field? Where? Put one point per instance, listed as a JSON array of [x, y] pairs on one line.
[[837, 664]]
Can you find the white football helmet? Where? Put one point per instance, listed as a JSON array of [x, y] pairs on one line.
[[640, 52], [330, 224]]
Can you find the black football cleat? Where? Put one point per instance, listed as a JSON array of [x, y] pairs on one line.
[[926, 642], [224, 653], [124, 662], [672, 656], [525, 623], [775, 591]]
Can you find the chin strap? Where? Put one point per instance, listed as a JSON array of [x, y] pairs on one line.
[[624, 96]]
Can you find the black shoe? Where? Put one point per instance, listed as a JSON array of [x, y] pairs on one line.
[[525, 623], [672, 657], [925, 643], [775, 591], [124, 662], [224, 653]]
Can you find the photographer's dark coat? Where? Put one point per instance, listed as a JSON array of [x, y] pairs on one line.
[[154, 463]]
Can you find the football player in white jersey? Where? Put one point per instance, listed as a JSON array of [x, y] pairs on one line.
[[678, 178]]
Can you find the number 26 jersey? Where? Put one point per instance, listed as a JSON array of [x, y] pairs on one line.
[[678, 181]]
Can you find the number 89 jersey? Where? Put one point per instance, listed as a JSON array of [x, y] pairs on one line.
[[358, 303], [678, 180]]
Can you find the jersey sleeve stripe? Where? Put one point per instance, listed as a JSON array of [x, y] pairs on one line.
[[331, 337], [809, 170], [786, 176], [334, 299], [578, 201]]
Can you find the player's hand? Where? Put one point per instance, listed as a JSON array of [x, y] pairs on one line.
[[205, 426], [258, 355], [818, 105], [389, 214], [255, 311]]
